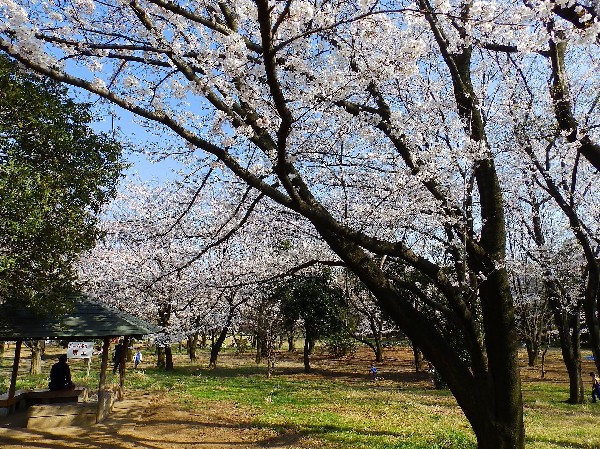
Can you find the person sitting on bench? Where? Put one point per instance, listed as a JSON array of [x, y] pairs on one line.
[[60, 375]]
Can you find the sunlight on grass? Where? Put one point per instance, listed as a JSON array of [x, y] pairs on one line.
[[347, 411], [333, 413]]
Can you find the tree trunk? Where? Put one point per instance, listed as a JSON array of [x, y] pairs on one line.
[[378, 351], [306, 355], [418, 358], [36, 357], [203, 340], [378, 337], [591, 306], [192, 345], [264, 345], [543, 373], [291, 342], [169, 358], [571, 352], [489, 395], [567, 323], [216, 347], [533, 351], [270, 356], [161, 361], [257, 347]]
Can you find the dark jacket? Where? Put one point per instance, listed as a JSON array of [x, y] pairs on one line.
[[60, 377]]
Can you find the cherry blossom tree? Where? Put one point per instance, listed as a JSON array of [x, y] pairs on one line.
[[193, 272], [371, 322], [388, 125], [559, 141], [547, 279]]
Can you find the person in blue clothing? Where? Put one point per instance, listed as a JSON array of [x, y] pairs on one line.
[[137, 358], [373, 371]]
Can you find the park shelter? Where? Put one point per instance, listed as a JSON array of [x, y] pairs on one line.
[[87, 319]]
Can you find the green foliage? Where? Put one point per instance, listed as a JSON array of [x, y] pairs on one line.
[[340, 344], [242, 346], [316, 302], [55, 175]]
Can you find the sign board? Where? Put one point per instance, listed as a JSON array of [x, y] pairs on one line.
[[80, 350]]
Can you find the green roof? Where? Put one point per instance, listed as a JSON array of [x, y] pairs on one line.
[[88, 319]]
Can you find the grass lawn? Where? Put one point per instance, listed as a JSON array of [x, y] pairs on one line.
[[338, 406]]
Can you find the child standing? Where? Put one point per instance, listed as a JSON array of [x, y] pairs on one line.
[[137, 358], [373, 371]]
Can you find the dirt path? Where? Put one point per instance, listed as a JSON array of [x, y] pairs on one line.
[[148, 422]]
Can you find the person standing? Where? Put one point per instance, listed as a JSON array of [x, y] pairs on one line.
[[137, 358], [60, 375], [595, 387], [373, 371]]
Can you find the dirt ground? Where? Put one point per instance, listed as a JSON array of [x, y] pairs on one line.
[[152, 422]]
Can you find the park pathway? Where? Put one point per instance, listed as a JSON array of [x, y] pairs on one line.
[[149, 422]]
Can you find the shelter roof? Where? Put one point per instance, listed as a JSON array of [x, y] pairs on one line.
[[88, 319]]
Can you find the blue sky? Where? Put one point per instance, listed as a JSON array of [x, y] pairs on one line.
[[142, 167]]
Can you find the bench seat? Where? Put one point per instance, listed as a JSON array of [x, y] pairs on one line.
[[9, 405]]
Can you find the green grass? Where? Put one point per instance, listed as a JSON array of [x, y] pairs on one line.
[[345, 412], [332, 413]]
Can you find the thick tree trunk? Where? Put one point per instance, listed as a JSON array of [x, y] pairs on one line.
[[306, 357], [264, 345], [490, 398], [377, 347], [169, 366], [571, 352], [533, 351], [192, 345], [216, 347], [36, 357], [504, 409], [161, 361], [291, 339], [378, 351]]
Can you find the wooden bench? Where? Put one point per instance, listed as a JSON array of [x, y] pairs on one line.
[[45, 396], [9, 405]]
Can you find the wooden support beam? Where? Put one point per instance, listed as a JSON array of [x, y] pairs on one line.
[[101, 412], [124, 357], [15, 369]]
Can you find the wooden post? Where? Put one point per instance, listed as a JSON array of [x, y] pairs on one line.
[[124, 357], [100, 412], [15, 370]]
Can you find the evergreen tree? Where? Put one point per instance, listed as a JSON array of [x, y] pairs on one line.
[[56, 173]]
